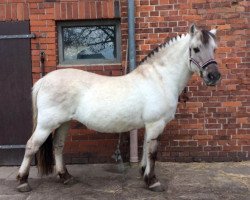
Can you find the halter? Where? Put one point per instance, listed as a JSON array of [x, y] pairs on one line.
[[204, 65]]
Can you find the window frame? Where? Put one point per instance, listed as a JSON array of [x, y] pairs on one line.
[[102, 22]]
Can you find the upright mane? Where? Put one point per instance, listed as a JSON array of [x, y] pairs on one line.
[[162, 46]]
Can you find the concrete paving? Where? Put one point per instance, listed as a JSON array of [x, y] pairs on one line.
[[183, 181]]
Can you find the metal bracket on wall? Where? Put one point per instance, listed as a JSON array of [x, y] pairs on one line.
[[12, 146], [24, 36]]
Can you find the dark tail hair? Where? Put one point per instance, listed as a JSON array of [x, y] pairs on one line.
[[44, 156]]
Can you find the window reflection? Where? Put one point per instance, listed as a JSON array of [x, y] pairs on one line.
[[89, 42]]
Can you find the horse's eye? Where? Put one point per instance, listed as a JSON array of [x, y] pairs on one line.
[[196, 50]]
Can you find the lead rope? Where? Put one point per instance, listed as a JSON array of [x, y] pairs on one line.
[[117, 154]]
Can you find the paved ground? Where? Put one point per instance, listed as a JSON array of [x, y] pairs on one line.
[[189, 181]]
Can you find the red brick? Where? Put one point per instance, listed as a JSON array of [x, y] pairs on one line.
[[8, 12], [145, 8], [93, 14], [20, 13], [98, 10], [13, 11], [75, 10], [162, 2], [63, 10], [69, 11], [2, 12], [231, 104], [202, 137], [110, 9], [105, 14]]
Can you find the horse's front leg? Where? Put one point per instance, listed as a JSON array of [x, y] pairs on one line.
[[153, 130]]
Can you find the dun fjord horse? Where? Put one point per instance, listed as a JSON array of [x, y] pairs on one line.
[[146, 97]]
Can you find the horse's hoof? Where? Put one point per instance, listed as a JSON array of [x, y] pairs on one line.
[[69, 181], [24, 187], [66, 178], [156, 187]]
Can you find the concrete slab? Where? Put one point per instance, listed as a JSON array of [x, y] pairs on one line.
[[183, 181], [5, 172]]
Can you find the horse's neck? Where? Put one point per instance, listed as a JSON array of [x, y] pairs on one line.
[[172, 64], [176, 61]]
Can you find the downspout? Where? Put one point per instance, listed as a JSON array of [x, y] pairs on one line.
[[132, 66]]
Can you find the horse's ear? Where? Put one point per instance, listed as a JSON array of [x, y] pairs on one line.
[[192, 29], [214, 31]]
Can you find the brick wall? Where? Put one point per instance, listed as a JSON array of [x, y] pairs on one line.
[[214, 124]]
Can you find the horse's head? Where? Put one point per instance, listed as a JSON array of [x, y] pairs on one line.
[[201, 54]]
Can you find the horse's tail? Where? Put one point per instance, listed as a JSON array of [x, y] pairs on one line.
[[35, 91], [44, 156]]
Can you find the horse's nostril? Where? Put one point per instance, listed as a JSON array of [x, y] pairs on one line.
[[213, 76]]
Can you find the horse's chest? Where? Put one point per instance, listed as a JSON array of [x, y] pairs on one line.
[[160, 106]]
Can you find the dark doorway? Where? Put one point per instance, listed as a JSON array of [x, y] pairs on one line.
[[15, 91]]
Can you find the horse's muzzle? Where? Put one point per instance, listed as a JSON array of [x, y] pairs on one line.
[[211, 75]]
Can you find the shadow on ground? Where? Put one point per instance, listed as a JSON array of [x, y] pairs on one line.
[[183, 181]]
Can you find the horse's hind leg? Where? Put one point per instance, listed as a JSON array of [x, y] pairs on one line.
[[58, 143], [153, 131], [32, 146]]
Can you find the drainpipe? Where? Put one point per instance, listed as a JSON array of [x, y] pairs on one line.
[[132, 66]]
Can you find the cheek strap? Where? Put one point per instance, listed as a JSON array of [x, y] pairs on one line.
[[204, 65]]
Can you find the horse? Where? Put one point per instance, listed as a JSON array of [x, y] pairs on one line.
[[146, 97]]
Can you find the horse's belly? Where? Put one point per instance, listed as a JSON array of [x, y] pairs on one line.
[[111, 107], [110, 119], [111, 124]]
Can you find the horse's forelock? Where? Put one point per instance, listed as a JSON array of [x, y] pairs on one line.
[[205, 36]]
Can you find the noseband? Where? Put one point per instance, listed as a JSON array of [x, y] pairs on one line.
[[204, 65]]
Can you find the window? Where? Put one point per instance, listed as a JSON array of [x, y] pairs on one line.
[[89, 42]]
